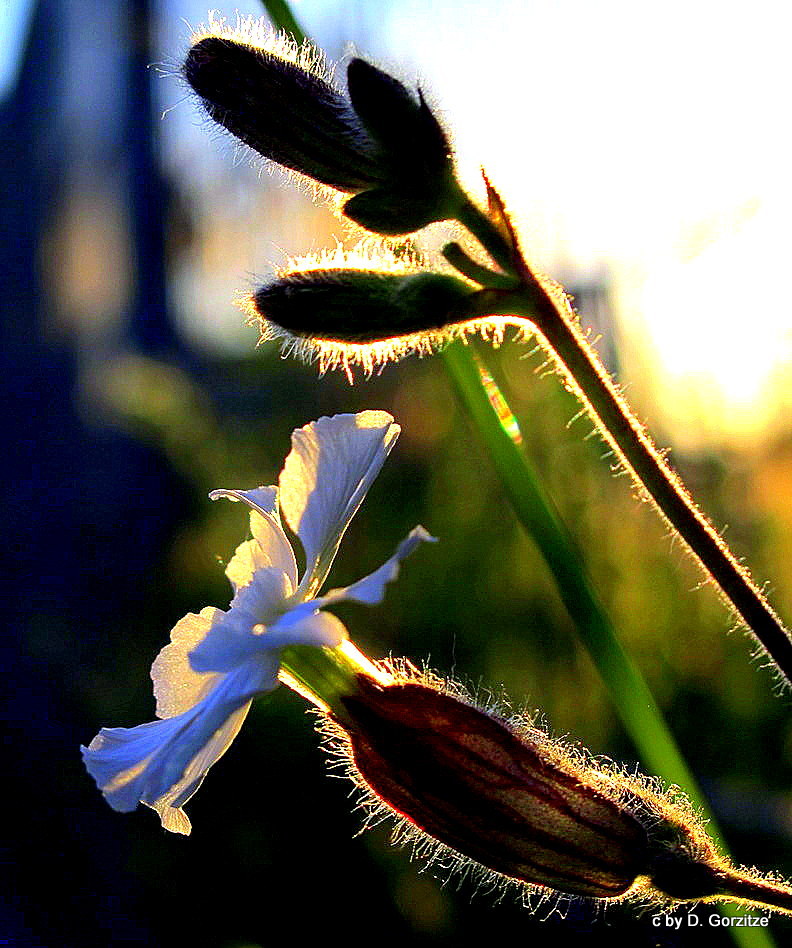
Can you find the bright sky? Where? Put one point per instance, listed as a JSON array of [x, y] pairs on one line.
[[650, 139]]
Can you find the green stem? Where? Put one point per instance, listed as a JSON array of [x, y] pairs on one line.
[[326, 674], [635, 705], [535, 510], [283, 19]]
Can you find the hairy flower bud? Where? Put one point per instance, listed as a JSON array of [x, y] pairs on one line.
[[527, 807], [359, 306], [421, 186], [367, 306], [282, 111], [380, 142]]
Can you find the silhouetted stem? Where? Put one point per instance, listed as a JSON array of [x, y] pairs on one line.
[[636, 450], [486, 233], [547, 310]]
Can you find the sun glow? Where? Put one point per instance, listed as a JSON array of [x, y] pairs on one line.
[[722, 330], [674, 182]]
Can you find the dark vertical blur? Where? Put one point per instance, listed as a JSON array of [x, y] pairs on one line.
[[84, 509]]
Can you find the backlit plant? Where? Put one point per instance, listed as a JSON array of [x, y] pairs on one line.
[[477, 785]]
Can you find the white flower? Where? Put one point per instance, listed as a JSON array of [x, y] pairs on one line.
[[217, 662]]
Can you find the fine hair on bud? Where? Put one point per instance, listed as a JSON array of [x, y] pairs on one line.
[[376, 141], [281, 106], [366, 307], [358, 306], [470, 787]]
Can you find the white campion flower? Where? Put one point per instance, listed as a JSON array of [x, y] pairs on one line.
[[217, 662]]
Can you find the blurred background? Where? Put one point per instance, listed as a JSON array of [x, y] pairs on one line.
[[643, 154]]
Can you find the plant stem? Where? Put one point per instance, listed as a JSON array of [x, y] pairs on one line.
[[652, 473], [325, 676], [535, 510], [549, 313], [635, 705], [283, 19], [760, 891]]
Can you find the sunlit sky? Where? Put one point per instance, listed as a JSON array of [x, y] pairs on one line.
[[648, 140]]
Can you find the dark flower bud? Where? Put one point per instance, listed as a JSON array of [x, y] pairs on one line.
[[359, 306], [400, 122], [283, 111], [380, 142], [367, 307], [421, 187], [338, 311], [525, 806]]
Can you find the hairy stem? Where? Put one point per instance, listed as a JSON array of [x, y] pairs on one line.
[[760, 892], [548, 311], [651, 472]]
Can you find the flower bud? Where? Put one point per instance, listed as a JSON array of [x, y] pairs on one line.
[[524, 806], [283, 111], [358, 306], [420, 187], [380, 142]]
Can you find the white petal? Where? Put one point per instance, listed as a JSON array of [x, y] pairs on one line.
[[316, 628], [236, 635], [163, 763], [169, 805], [330, 468], [234, 640], [264, 500], [371, 589], [262, 600], [248, 557], [177, 687], [270, 545]]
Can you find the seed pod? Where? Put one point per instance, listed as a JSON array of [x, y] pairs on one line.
[[524, 806], [474, 784]]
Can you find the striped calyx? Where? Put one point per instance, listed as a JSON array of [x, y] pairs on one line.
[[480, 787]]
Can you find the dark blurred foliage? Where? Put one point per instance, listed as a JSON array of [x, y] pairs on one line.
[[120, 424]]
